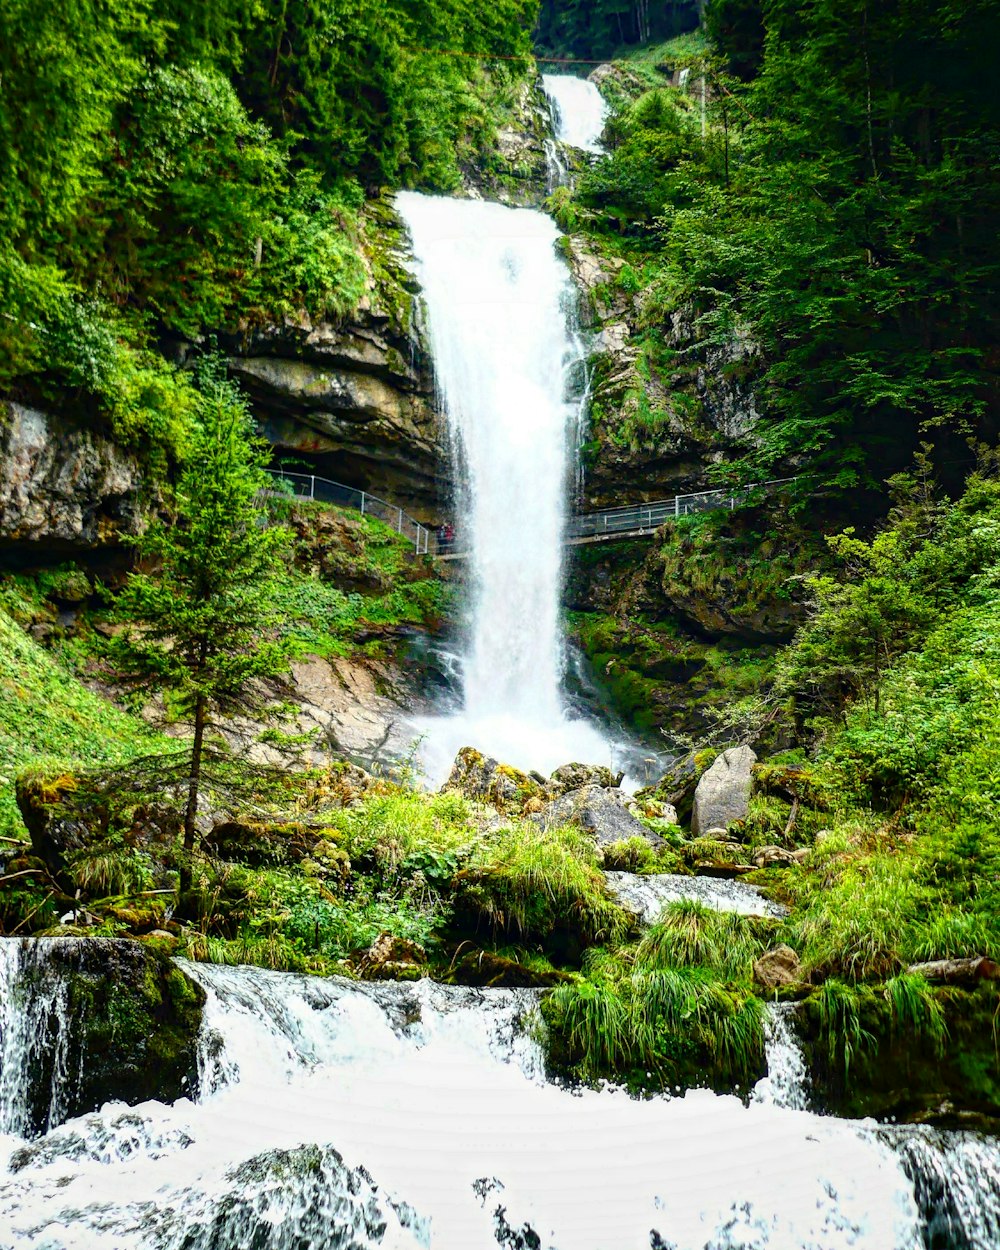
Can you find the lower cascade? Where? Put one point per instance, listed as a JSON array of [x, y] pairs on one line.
[[335, 1114]]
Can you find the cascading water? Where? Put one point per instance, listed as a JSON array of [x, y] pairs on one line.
[[647, 896], [34, 1039], [578, 111], [402, 1116], [500, 311]]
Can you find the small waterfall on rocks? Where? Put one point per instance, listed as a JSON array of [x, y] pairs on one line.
[[394, 1116], [509, 369], [578, 111], [34, 1036], [647, 895]]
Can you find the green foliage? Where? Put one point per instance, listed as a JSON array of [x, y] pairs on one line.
[[542, 885], [677, 1008], [688, 934], [46, 712], [629, 855], [596, 28], [829, 206], [839, 1008], [110, 867], [176, 170], [205, 610], [201, 626]]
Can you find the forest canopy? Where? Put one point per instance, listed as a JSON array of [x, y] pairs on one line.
[[172, 168]]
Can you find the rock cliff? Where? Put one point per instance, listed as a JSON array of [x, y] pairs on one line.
[[64, 490], [666, 403]]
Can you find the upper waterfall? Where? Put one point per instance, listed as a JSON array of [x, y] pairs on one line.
[[579, 111], [509, 371]]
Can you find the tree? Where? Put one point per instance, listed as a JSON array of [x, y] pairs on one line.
[[199, 624]]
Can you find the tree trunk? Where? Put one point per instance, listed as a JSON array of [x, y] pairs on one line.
[[194, 785]]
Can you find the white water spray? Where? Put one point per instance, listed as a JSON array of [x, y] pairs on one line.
[[579, 111], [500, 308], [391, 1117]]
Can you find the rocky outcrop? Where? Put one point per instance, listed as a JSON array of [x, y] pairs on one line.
[[480, 777], [356, 397], [600, 811], [65, 490], [723, 795], [517, 170], [340, 708], [777, 968], [661, 415]]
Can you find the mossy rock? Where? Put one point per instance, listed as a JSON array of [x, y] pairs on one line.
[[127, 1024], [900, 1075], [482, 967]]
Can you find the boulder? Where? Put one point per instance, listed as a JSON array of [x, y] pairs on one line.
[[773, 857], [391, 958], [957, 971], [652, 809], [481, 967], [575, 776], [722, 797], [777, 968], [600, 811], [481, 777], [677, 786]]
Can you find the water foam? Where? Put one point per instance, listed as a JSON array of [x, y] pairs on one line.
[[398, 1116]]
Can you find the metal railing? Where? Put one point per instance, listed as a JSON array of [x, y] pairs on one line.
[[646, 517], [635, 519], [321, 489]]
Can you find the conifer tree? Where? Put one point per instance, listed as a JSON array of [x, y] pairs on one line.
[[199, 622]]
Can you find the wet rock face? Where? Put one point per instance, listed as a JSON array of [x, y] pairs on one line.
[[722, 797], [702, 392], [92, 1020], [356, 396], [63, 488]]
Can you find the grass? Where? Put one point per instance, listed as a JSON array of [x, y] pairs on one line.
[[48, 716], [677, 1007], [529, 883]]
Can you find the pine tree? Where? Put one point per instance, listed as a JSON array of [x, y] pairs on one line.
[[199, 624]]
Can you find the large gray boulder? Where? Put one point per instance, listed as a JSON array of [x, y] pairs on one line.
[[600, 811], [722, 798]]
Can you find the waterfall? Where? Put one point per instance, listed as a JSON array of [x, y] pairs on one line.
[[647, 895], [398, 1116], [35, 1076], [509, 368], [787, 1080], [578, 111]]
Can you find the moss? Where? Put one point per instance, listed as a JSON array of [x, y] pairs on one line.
[[903, 1073]]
